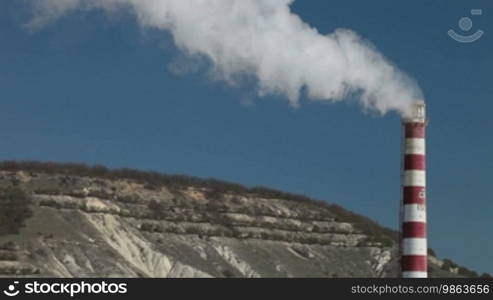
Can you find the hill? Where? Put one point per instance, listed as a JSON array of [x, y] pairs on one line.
[[73, 220]]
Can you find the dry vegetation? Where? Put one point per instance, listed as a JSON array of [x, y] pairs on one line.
[[14, 209]]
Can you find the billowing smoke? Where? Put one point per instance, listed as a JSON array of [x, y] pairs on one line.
[[263, 39]]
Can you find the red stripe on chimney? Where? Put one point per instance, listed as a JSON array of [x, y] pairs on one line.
[[414, 195], [413, 230], [414, 263], [415, 130], [414, 162]]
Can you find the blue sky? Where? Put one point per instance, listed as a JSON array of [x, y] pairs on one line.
[[88, 89]]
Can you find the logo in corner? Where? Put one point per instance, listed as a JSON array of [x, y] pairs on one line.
[[465, 24], [11, 290]]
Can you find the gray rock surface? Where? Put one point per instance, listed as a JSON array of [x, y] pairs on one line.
[[93, 227]]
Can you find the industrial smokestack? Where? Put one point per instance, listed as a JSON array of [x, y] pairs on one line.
[[414, 248]]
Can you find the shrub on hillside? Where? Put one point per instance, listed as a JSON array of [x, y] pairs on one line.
[[14, 210]]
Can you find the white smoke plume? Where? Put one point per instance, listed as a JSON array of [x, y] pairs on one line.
[[264, 39]]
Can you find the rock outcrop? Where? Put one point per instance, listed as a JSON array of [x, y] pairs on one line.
[[83, 226]]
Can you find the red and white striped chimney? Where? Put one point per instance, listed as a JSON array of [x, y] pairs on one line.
[[414, 248]]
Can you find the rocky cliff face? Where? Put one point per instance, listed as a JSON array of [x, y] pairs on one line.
[[82, 226]]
